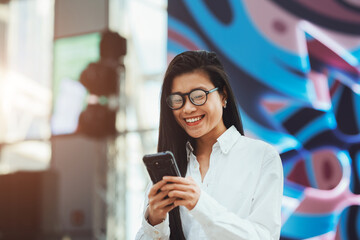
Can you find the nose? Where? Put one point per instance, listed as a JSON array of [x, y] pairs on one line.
[[188, 107]]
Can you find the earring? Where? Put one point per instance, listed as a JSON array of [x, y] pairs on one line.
[[225, 103]]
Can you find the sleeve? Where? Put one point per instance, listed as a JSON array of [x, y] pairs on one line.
[[264, 219], [149, 232]]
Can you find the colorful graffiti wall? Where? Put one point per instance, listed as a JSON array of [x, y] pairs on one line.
[[294, 66]]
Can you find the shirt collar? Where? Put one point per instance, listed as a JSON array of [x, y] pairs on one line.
[[228, 139], [189, 150], [225, 141], [189, 147]]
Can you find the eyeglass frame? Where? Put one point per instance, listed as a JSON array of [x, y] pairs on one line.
[[182, 95]]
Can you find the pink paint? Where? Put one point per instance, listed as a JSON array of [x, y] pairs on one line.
[[321, 52], [273, 106], [279, 26], [327, 168], [320, 83], [318, 201], [299, 174], [182, 40], [326, 236]]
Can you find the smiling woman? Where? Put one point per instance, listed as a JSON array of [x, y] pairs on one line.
[[231, 185], [199, 119]]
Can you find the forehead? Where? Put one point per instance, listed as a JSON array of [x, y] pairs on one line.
[[188, 81]]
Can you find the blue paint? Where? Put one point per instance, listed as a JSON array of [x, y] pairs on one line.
[[301, 225], [174, 47], [283, 141], [356, 110], [322, 123], [310, 171], [343, 224], [187, 32], [251, 51], [293, 190], [356, 52], [283, 114]]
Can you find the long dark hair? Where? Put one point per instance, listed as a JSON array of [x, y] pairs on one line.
[[172, 137]]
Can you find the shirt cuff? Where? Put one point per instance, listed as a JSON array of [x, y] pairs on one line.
[[159, 231]]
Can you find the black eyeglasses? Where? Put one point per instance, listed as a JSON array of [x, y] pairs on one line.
[[197, 97]]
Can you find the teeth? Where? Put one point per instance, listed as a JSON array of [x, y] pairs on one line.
[[191, 120]]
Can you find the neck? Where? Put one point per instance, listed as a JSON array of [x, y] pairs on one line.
[[204, 144]]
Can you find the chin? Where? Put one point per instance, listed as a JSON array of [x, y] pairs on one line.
[[194, 134]]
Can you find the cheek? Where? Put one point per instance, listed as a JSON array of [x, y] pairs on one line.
[[216, 109], [216, 114], [176, 114], [219, 112]]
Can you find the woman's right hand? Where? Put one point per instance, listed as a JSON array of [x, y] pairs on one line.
[[159, 206]]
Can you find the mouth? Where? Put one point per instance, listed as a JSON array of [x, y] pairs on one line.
[[194, 120]]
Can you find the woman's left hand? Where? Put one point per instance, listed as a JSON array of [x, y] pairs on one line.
[[185, 189]]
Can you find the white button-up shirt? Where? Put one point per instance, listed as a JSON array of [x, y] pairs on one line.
[[240, 194]]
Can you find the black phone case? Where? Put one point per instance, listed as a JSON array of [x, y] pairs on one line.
[[161, 164]]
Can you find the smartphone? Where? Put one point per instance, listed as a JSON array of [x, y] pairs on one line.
[[161, 164]]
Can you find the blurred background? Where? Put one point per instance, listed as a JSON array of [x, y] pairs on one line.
[[79, 106]]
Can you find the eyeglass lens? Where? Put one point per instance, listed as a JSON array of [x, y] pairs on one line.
[[197, 97]]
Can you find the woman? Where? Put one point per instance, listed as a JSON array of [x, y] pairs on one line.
[[231, 185]]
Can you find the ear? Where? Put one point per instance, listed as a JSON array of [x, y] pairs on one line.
[[224, 95]]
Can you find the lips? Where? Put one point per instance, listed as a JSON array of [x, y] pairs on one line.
[[193, 120]]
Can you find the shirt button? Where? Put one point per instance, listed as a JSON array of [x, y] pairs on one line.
[[157, 232]]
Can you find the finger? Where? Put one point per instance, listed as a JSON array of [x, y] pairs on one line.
[[154, 189], [154, 200], [159, 201], [174, 186], [166, 202], [180, 202], [178, 194], [169, 208], [176, 179], [159, 196]]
